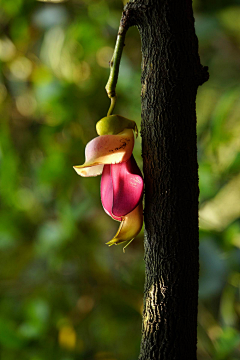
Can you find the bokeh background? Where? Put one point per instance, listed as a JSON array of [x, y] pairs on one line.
[[64, 294]]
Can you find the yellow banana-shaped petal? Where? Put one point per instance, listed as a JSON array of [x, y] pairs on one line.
[[106, 149], [130, 226]]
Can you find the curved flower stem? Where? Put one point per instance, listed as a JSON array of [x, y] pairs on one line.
[[112, 106], [114, 67]]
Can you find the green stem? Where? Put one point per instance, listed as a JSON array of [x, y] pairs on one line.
[[114, 67], [127, 245], [112, 106]]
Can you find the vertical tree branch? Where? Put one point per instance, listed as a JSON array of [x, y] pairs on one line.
[[171, 74]]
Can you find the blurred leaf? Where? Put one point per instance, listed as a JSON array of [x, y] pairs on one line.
[[9, 336], [227, 312], [220, 114], [212, 269], [229, 18], [223, 209], [226, 343]]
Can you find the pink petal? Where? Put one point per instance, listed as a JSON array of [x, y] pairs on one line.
[[121, 188], [107, 191], [107, 149], [127, 184]]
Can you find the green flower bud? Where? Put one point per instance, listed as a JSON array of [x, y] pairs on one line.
[[114, 124]]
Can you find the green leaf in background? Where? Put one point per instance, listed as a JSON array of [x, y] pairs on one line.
[[226, 343], [9, 335]]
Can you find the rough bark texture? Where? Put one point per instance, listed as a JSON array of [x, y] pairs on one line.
[[171, 74]]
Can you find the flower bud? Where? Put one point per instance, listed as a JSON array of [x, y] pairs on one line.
[[114, 124]]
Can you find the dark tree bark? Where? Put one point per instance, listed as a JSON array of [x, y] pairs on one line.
[[171, 74]]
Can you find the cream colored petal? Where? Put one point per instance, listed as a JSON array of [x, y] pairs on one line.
[[89, 171], [107, 149], [130, 226]]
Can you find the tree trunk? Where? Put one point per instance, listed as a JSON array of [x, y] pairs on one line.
[[171, 74]]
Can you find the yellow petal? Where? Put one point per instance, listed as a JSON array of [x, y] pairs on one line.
[[130, 226], [106, 149]]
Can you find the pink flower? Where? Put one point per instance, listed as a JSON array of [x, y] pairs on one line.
[[121, 183]]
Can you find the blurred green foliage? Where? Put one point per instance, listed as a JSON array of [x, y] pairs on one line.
[[64, 294]]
